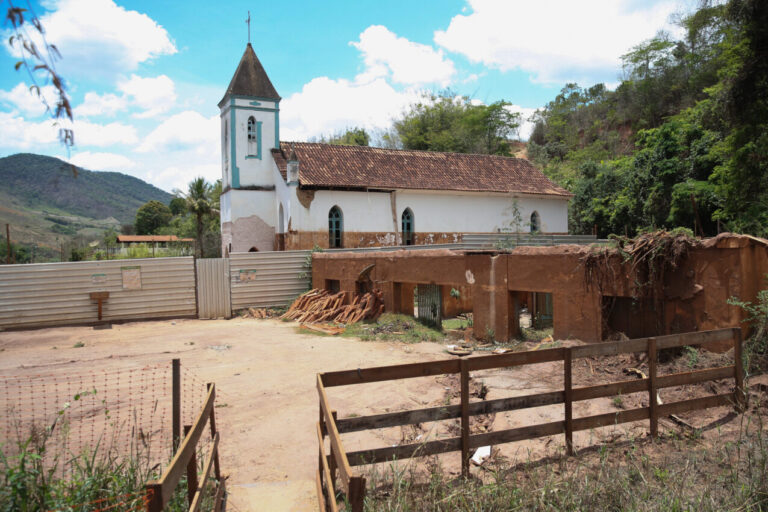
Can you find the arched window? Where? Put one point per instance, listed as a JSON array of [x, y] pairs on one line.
[[254, 137], [335, 226], [407, 227], [535, 222]]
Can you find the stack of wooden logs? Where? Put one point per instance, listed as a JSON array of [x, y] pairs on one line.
[[317, 306]]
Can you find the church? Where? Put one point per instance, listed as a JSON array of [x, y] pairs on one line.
[[280, 195]]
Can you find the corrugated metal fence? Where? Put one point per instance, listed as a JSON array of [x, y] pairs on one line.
[[43, 294], [213, 296], [268, 278]]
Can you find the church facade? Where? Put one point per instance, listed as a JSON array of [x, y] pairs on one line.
[[288, 196]]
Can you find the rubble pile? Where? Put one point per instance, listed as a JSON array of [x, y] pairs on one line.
[[318, 306]]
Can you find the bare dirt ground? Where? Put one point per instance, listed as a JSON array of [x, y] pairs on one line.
[[265, 374]]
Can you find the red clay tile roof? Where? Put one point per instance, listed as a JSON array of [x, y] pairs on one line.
[[330, 166], [151, 238]]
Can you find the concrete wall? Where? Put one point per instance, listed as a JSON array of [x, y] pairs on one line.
[[694, 299]]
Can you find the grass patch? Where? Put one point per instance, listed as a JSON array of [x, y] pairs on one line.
[[393, 327], [456, 323], [531, 334], [676, 474]]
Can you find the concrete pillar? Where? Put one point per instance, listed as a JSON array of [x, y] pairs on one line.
[[487, 273]]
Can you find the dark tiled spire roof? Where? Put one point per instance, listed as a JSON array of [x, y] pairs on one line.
[[250, 79], [361, 167]]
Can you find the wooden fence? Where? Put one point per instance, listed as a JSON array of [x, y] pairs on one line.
[[185, 460], [353, 485]]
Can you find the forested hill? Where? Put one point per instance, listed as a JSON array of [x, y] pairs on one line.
[[44, 183], [682, 141]]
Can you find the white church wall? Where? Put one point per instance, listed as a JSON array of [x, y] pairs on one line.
[[444, 212], [362, 211], [285, 196]]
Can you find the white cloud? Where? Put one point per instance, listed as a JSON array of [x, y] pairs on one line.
[[554, 40], [94, 104], [409, 63], [102, 161], [183, 131], [100, 38], [526, 126], [153, 95], [20, 134], [102, 135], [174, 177], [22, 100], [325, 106]]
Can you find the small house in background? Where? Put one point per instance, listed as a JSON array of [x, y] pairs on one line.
[[143, 246]]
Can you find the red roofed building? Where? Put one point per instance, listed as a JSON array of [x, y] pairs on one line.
[[280, 195]]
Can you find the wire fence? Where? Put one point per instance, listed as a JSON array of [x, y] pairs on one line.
[[117, 412]]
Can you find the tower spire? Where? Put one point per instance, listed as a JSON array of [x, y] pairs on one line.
[[248, 22]]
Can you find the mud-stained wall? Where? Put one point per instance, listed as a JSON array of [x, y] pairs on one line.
[[303, 240], [246, 233], [694, 297]]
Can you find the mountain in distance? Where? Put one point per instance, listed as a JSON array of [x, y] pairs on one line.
[[47, 204]]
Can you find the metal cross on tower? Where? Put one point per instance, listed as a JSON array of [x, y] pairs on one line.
[[248, 22]]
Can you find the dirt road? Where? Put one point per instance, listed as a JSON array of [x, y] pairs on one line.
[[264, 371]]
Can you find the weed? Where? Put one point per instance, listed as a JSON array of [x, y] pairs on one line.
[[391, 327], [618, 402], [79, 344], [693, 356]]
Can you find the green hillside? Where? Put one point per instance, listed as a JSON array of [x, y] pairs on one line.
[[47, 204]]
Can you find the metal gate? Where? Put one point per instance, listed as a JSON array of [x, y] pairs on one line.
[[213, 296], [430, 305]]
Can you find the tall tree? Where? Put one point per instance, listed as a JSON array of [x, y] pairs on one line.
[[446, 122], [152, 216], [200, 203]]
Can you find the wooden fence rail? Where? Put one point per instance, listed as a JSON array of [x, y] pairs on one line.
[[185, 460], [353, 485]]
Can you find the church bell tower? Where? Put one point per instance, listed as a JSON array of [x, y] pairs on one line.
[[250, 129]]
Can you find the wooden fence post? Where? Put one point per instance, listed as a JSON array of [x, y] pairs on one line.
[[192, 483], [738, 364], [464, 365], [332, 464], [568, 387], [155, 503], [356, 493], [216, 467], [176, 405], [652, 391]]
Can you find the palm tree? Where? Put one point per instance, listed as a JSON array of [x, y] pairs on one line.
[[200, 203]]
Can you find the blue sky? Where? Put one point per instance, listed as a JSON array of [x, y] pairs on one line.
[[145, 76]]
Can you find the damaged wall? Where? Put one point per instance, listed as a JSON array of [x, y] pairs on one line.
[[695, 296]]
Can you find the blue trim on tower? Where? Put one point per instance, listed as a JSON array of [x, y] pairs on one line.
[[277, 129], [233, 138]]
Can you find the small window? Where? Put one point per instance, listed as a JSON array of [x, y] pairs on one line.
[[335, 226], [535, 222], [407, 227], [254, 137]]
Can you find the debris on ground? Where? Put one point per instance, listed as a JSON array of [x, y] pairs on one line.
[[457, 350], [259, 313], [331, 329], [481, 455], [321, 306]]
